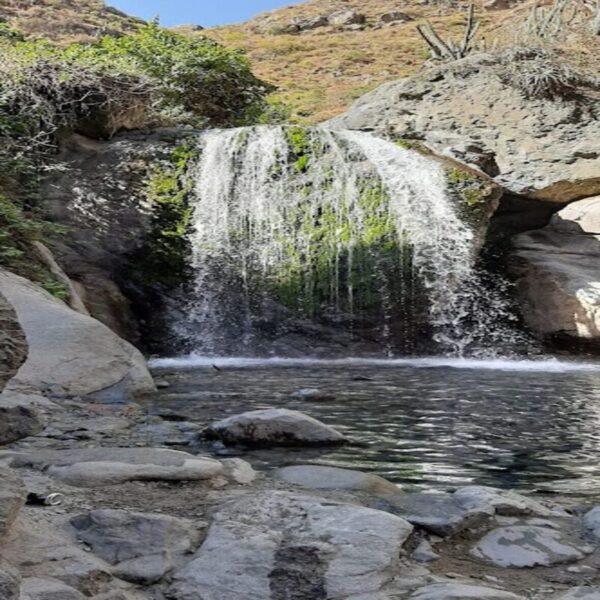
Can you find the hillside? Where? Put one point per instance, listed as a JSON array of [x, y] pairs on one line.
[[321, 71], [66, 20]]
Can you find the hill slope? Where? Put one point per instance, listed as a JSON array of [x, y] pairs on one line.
[[321, 71], [65, 20]]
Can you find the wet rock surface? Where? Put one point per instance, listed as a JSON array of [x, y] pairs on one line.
[[274, 427]]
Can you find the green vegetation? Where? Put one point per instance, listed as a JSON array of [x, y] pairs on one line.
[[163, 259], [471, 191]]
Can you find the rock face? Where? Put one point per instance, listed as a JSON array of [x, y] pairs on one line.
[[111, 466], [10, 581], [70, 353], [526, 546], [34, 588], [264, 547], [142, 548], [542, 147], [13, 343], [558, 274], [330, 478], [274, 427]]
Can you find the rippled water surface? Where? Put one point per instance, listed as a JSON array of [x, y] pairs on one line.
[[430, 423]]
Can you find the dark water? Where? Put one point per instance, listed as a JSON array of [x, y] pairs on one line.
[[420, 423]]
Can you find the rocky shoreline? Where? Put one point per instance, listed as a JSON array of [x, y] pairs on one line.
[[139, 522]]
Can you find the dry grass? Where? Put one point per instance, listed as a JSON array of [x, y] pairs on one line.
[[65, 21], [320, 73]]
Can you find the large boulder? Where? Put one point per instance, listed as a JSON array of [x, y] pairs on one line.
[[142, 548], [261, 547], [558, 274], [274, 427], [13, 343], [71, 353], [542, 143], [20, 416]]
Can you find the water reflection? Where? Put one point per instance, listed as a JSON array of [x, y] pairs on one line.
[[425, 427]]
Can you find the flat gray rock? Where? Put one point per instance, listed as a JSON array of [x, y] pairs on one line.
[[94, 467], [331, 478], [526, 546], [581, 593], [263, 545], [274, 427], [591, 522], [142, 548], [459, 591], [502, 502], [33, 588], [441, 514]]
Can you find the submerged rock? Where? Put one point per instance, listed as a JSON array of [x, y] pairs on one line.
[[142, 548], [460, 591], [274, 427], [71, 353], [526, 546], [93, 467], [331, 478], [265, 546], [313, 395], [441, 514]]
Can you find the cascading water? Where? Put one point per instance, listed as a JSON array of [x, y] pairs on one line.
[[294, 226]]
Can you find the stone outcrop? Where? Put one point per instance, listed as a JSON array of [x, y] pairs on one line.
[[71, 353], [558, 274], [274, 427], [262, 547], [13, 343], [480, 111]]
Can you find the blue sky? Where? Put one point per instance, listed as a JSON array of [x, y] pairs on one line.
[[198, 12]]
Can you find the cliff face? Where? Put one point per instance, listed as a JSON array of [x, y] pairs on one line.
[[13, 344]]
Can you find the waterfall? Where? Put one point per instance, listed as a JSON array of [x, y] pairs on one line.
[[309, 233]]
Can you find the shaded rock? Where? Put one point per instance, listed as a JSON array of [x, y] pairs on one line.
[[143, 548], [331, 478], [264, 546], [459, 591], [543, 147], [441, 514], [558, 274], [92, 467], [13, 343], [424, 553], [10, 582], [12, 499], [308, 24], [274, 427], [48, 589], [526, 546], [591, 522], [581, 593], [70, 353], [502, 502], [19, 417], [346, 17]]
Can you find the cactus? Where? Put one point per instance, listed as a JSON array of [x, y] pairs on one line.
[[451, 50]]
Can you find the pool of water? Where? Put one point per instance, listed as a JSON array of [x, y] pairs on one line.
[[418, 422]]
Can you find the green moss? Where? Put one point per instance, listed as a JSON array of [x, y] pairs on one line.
[[472, 193], [163, 259]]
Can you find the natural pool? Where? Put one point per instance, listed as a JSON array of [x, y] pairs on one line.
[[418, 422]]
